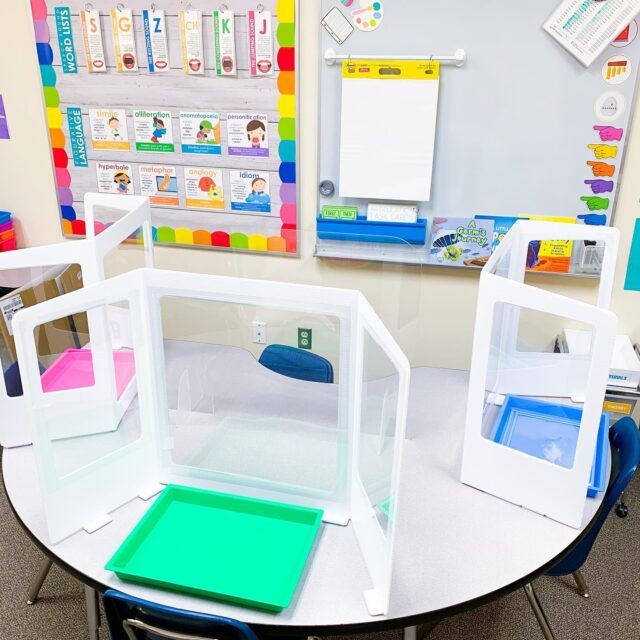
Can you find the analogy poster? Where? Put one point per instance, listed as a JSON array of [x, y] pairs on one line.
[[250, 191], [114, 177], [200, 132], [248, 135], [153, 131], [203, 187], [109, 129], [160, 184], [461, 242]]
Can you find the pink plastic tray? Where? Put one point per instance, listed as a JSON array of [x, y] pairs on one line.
[[74, 370]]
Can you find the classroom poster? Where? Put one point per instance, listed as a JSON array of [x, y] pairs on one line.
[[250, 191], [153, 131], [261, 61], [200, 132], [191, 41], [124, 40], [92, 39], [159, 184], [109, 129], [154, 25], [114, 177], [248, 135], [203, 187], [551, 255], [224, 40], [461, 242]]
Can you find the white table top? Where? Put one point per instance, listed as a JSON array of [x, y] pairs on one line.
[[454, 545]]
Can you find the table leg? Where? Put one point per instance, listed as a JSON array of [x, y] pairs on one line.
[[34, 591], [420, 632], [93, 612]]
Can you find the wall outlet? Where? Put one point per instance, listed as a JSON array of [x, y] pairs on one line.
[[305, 339], [259, 332]]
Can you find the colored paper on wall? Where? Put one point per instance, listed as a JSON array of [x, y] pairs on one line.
[[65, 40], [632, 281], [76, 134], [4, 127]]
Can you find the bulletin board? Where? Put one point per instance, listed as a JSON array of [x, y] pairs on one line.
[[516, 124], [238, 216]]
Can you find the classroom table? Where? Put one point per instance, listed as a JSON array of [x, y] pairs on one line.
[[456, 547]]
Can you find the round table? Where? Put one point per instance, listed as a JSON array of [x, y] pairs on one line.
[[456, 547]]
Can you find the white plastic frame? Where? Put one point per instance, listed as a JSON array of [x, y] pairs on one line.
[[551, 490], [85, 498], [89, 254]]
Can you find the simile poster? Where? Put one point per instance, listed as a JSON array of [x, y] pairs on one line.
[[164, 125]]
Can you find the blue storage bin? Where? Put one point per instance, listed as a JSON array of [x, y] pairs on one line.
[[550, 432], [361, 230]]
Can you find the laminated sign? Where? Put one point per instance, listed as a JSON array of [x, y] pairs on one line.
[[124, 41]]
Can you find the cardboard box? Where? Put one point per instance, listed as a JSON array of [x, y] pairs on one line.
[[52, 338], [71, 280]]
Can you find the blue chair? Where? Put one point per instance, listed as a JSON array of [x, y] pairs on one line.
[[625, 450], [133, 619], [297, 363]]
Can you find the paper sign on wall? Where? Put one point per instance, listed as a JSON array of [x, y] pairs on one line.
[[124, 41], [260, 43], [203, 187], [114, 177], [247, 134], [632, 280], [153, 131], [109, 129], [65, 40], [384, 104], [224, 38], [191, 42], [76, 135], [160, 184], [200, 132], [250, 191], [92, 39], [155, 37], [586, 27]]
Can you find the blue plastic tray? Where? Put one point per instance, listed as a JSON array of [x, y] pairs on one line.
[[5, 217], [361, 230], [550, 432]]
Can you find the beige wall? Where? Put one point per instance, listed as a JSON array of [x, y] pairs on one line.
[[430, 311]]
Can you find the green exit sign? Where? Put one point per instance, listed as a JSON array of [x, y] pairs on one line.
[[304, 339]]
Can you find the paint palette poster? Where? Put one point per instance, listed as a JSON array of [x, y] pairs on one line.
[[204, 188], [248, 134], [461, 242], [250, 191], [115, 177]]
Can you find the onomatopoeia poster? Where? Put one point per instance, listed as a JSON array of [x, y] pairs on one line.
[[203, 187], [200, 132]]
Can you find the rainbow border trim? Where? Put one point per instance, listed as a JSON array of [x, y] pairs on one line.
[[286, 242]]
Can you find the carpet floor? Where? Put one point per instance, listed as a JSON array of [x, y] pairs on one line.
[[612, 613]]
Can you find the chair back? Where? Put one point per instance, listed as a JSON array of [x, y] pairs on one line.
[[297, 363], [625, 458], [134, 619]]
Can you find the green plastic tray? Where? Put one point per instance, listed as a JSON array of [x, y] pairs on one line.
[[247, 551]]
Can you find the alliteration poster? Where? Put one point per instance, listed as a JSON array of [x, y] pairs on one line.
[[250, 191], [203, 187], [248, 134], [160, 184], [200, 132], [109, 129], [153, 131], [114, 177]]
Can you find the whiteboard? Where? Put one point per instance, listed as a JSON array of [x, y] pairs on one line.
[[514, 123]]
